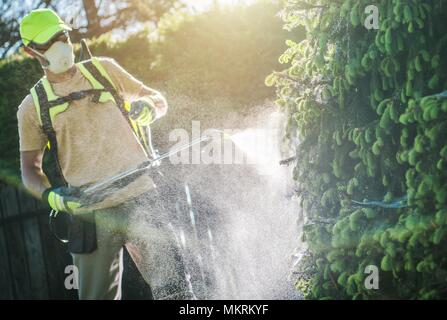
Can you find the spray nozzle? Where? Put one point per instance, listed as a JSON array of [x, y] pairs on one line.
[[227, 136]]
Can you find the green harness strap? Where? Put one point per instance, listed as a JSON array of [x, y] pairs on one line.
[[45, 118], [97, 73]]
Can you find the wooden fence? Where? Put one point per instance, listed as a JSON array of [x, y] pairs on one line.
[[32, 261]]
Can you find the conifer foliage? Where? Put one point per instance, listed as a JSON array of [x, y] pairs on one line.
[[367, 115]]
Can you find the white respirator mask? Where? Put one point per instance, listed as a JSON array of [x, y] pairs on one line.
[[60, 57]]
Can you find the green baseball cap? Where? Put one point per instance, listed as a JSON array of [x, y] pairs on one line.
[[40, 25]]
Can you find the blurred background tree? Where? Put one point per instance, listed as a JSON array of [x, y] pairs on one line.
[[11, 13], [94, 18], [90, 18]]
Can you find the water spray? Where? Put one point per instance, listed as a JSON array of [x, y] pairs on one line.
[[243, 237]]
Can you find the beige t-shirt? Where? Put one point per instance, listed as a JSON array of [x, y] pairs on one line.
[[95, 141]]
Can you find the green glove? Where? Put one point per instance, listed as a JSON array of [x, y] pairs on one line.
[[142, 112], [64, 199]]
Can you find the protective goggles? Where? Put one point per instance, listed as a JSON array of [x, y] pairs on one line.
[[42, 47]]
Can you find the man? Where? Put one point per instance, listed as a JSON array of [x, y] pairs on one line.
[[80, 110]]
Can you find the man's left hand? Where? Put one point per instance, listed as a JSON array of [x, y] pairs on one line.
[[66, 199]]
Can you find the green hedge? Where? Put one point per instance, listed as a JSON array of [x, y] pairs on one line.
[[368, 120], [218, 54]]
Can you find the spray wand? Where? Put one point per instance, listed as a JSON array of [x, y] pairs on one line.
[[100, 190]]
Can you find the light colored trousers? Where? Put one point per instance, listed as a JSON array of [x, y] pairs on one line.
[[146, 234]]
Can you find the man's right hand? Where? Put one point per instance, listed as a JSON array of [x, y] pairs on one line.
[[143, 112], [65, 199]]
